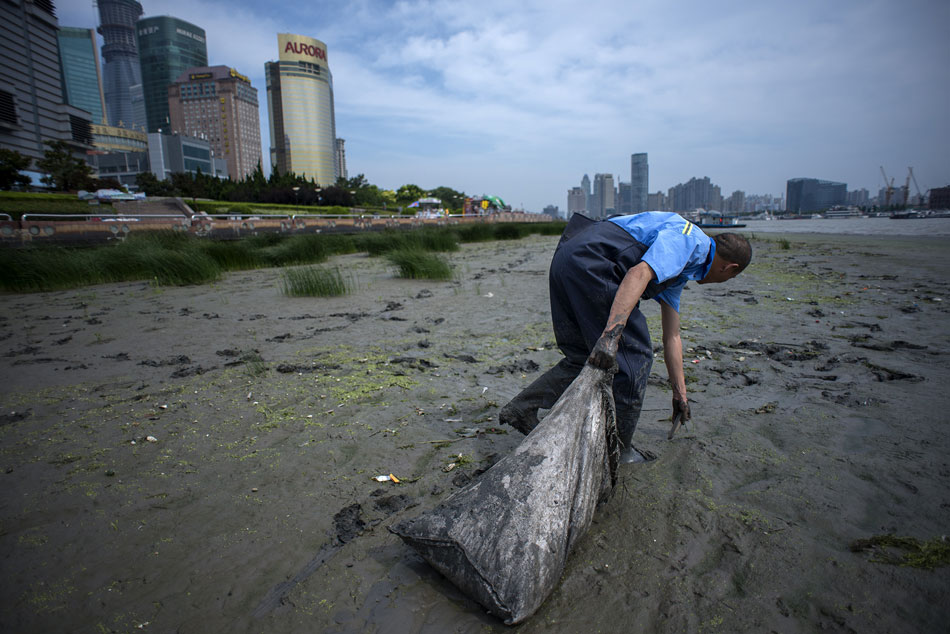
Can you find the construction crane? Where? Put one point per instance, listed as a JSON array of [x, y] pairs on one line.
[[889, 185], [920, 197]]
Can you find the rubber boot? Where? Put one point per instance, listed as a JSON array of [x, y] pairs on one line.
[[627, 418], [522, 411]]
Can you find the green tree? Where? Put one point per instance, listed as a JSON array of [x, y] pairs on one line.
[[409, 194], [63, 171], [11, 163], [451, 199], [151, 186]]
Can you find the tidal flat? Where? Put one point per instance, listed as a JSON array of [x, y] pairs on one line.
[[205, 458]]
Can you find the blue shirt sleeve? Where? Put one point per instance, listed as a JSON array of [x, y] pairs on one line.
[[669, 254], [671, 295]]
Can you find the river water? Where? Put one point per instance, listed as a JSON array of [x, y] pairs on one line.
[[934, 227]]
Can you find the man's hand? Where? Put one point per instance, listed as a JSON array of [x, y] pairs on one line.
[[604, 354], [681, 406], [680, 414]]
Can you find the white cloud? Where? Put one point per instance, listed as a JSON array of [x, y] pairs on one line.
[[491, 95]]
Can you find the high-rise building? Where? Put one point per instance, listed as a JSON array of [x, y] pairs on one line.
[[640, 181], [656, 202], [697, 193], [341, 159], [552, 210], [585, 185], [32, 108], [624, 198], [576, 201], [736, 202], [812, 194], [120, 56], [81, 75], [604, 196], [859, 197], [300, 108], [218, 104], [167, 48]]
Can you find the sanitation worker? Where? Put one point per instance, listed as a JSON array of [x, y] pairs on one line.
[[600, 272]]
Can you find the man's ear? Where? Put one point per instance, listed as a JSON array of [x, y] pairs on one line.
[[731, 268]]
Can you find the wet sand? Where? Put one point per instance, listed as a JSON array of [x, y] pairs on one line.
[[817, 381]]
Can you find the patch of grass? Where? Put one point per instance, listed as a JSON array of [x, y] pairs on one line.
[[931, 554], [416, 264], [313, 281], [511, 231], [180, 258], [426, 239], [233, 255]]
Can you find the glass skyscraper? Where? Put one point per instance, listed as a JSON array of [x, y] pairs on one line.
[[167, 48], [79, 62], [120, 56], [300, 108]]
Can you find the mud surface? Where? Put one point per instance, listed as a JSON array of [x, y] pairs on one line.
[[204, 459]]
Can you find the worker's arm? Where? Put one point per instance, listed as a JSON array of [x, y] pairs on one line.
[[673, 355], [628, 294]]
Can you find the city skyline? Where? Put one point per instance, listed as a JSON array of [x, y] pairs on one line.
[[514, 102]]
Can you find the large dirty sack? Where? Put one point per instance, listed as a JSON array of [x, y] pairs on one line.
[[505, 538]]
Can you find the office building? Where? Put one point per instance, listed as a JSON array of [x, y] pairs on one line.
[[576, 201], [604, 196], [32, 108], [300, 108], [639, 181], [110, 138], [811, 194], [341, 159], [120, 55], [123, 167], [81, 74], [585, 185], [553, 211], [218, 104], [624, 198], [167, 48], [940, 198], [173, 153]]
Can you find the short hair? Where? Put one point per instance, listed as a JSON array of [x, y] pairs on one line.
[[733, 247]]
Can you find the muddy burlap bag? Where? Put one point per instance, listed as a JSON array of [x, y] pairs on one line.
[[505, 538]]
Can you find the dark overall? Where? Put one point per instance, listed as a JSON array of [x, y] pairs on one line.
[[586, 271]]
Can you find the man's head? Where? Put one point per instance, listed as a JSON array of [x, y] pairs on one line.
[[733, 254]]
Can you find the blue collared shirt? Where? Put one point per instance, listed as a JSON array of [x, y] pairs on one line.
[[678, 249]]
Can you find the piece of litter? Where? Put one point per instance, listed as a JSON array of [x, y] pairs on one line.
[[489, 295], [151, 438], [394, 478], [484, 389], [790, 299], [254, 490], [382, 478], [163, 407], [453, 420], [449, 467]]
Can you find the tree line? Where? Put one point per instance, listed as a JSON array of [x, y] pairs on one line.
[[63, 171]]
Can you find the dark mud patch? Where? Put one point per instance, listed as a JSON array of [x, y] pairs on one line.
[[525, 366], [158, 363]]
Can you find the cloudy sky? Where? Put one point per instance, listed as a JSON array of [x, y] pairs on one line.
[[521, 99]]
